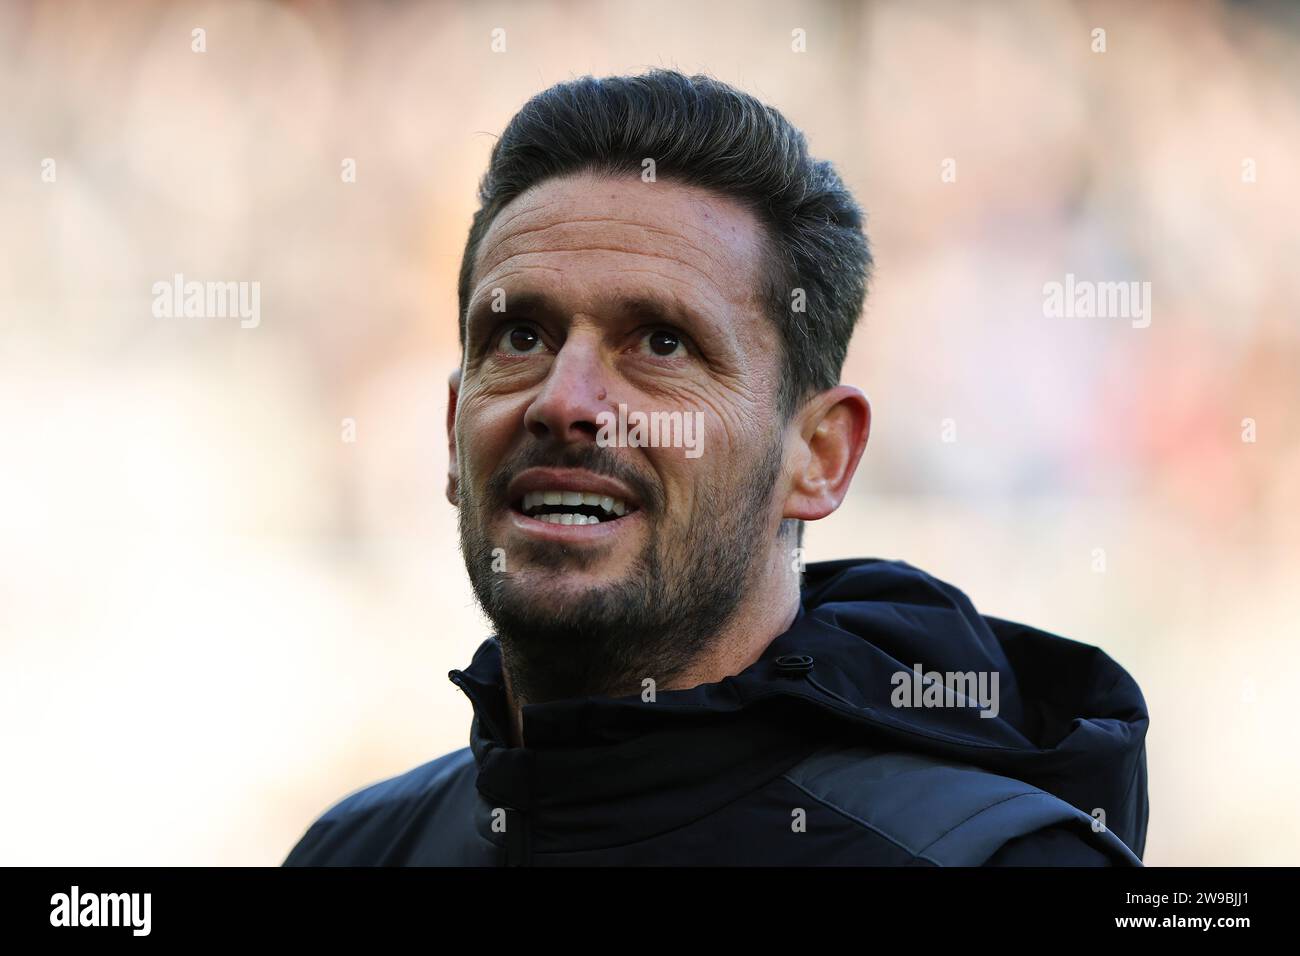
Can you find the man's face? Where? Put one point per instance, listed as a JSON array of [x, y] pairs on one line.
[[590, 293]]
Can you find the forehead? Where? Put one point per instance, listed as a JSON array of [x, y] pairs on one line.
[[591, 235]]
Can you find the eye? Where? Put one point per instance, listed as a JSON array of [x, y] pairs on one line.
[[520, 340], [664, 343]]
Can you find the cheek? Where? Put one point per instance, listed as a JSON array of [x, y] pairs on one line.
[[694, 488], [733, 420], [485, 428], [725, 442]]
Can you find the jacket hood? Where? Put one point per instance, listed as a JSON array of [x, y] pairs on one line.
[[1064, 716]]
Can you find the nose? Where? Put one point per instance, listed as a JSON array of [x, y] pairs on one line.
[[572, 396]]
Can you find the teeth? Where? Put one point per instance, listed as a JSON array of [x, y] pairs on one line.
[[610, 505], [569, 519]]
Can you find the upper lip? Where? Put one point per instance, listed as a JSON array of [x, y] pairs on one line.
[[568, 479]]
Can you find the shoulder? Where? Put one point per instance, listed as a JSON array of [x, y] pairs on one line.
[[354, 828], [1050, 846], [945, 813], [413, 784]]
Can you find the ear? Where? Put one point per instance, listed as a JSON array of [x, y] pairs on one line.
[[833, 431], [453, 471]]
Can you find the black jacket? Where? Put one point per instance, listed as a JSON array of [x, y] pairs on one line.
[[805, 758]]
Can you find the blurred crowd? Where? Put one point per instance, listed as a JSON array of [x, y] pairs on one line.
[[220, 608]]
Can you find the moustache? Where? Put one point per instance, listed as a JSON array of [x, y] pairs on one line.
[[590, 457]]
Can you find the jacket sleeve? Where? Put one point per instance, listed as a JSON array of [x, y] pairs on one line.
[[1050, 846]]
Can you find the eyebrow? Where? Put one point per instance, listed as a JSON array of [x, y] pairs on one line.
[[665, 308], [534, 303]]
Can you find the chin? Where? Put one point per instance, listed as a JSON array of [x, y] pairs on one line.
[[559, 588]]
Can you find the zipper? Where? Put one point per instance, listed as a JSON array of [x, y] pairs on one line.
[[518, 842]]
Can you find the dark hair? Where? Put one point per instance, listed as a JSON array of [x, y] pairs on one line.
[[701, 131], [704, 133]]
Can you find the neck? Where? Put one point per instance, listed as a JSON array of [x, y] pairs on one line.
[[770, 607]]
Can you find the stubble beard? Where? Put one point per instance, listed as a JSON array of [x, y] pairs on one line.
[[662, 616]]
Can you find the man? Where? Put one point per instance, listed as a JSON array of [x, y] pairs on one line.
[[668, 684]]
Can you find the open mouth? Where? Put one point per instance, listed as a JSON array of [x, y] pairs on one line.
[[573, 507]]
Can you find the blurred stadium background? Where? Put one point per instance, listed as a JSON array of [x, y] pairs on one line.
[[217, 616]]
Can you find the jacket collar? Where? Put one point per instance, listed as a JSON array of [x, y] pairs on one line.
[[814, 662], [603, 721], [1071, 721], [602, 771]]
